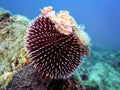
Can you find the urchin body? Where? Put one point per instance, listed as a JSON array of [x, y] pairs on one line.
[[52, 53]]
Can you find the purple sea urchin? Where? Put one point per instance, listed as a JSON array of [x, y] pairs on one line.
[[53, 54]]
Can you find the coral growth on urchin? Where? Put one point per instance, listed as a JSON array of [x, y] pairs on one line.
[[55, 51]]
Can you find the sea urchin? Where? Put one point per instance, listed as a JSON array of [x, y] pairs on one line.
[[54, 54]]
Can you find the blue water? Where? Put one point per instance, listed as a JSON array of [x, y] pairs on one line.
[[100, 17]]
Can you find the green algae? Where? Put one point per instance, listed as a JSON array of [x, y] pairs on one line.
[[12, 47]]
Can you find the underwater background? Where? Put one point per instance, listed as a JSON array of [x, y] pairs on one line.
[[101, 18]]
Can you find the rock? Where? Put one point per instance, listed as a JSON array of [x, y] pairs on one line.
[[29, 79]]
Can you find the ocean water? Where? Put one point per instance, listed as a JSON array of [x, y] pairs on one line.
[[100, 17], [102, 23]]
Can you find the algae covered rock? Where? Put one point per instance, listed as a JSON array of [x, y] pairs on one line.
[[12, 51], [4, 18], [102, 76]]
